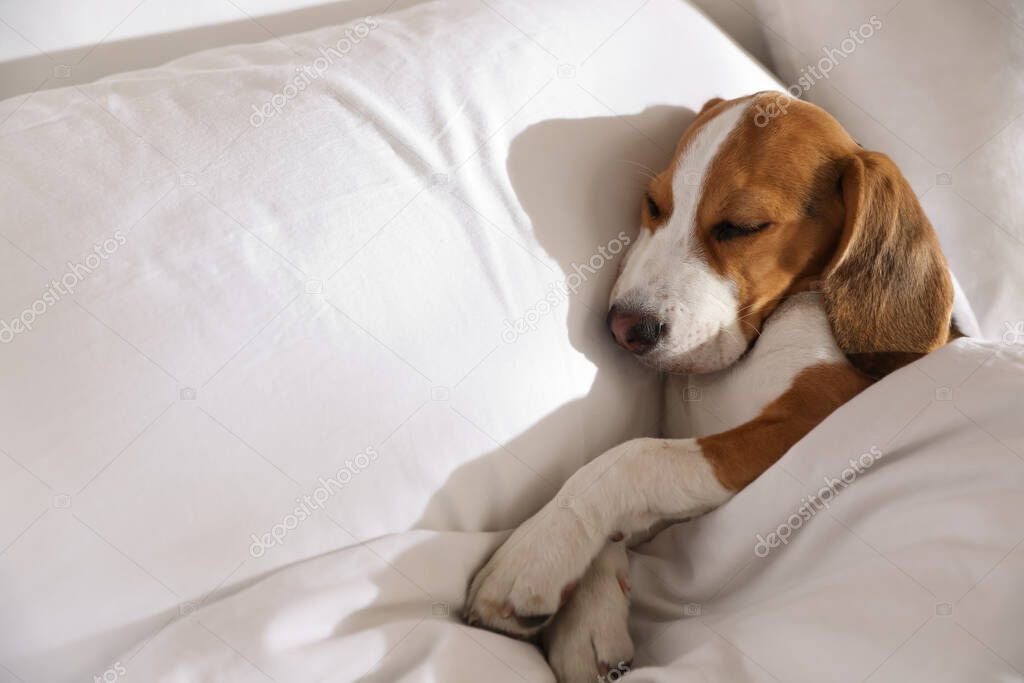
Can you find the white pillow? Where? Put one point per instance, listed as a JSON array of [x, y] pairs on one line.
[[364, 281]]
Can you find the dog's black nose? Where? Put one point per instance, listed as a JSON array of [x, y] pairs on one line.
[[635, 332]]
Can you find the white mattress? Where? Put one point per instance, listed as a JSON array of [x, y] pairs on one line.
[[337, 292]]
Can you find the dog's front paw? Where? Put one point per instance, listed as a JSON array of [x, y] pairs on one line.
[[588, 641], [531, 576]]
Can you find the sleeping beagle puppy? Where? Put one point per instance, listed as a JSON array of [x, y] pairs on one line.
[[780, 269]]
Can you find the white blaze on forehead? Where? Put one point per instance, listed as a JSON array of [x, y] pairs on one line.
[[654, 255], [692, 170]]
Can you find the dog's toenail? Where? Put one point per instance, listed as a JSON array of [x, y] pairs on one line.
[[566, 592], [617, 536], [624, 584], [507, 610], [535, 621]]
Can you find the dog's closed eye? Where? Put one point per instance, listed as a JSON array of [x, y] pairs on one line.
[[727, 230], [652, 208]]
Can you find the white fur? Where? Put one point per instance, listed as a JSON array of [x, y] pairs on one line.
[[666, 274], [589, 637], [796, 336], [626, 490]]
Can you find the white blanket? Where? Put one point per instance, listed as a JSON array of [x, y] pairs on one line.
[[903, 565]]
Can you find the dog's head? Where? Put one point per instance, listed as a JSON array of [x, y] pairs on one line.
[[767, 196]]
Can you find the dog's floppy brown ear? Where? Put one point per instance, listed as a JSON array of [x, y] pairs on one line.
[[887, 289]]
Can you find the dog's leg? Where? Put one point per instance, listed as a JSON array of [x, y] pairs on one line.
[[624, 491], [589, 637], [631, 488]]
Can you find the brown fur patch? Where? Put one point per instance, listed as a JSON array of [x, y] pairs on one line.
[[783, 173], [740, 455]]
